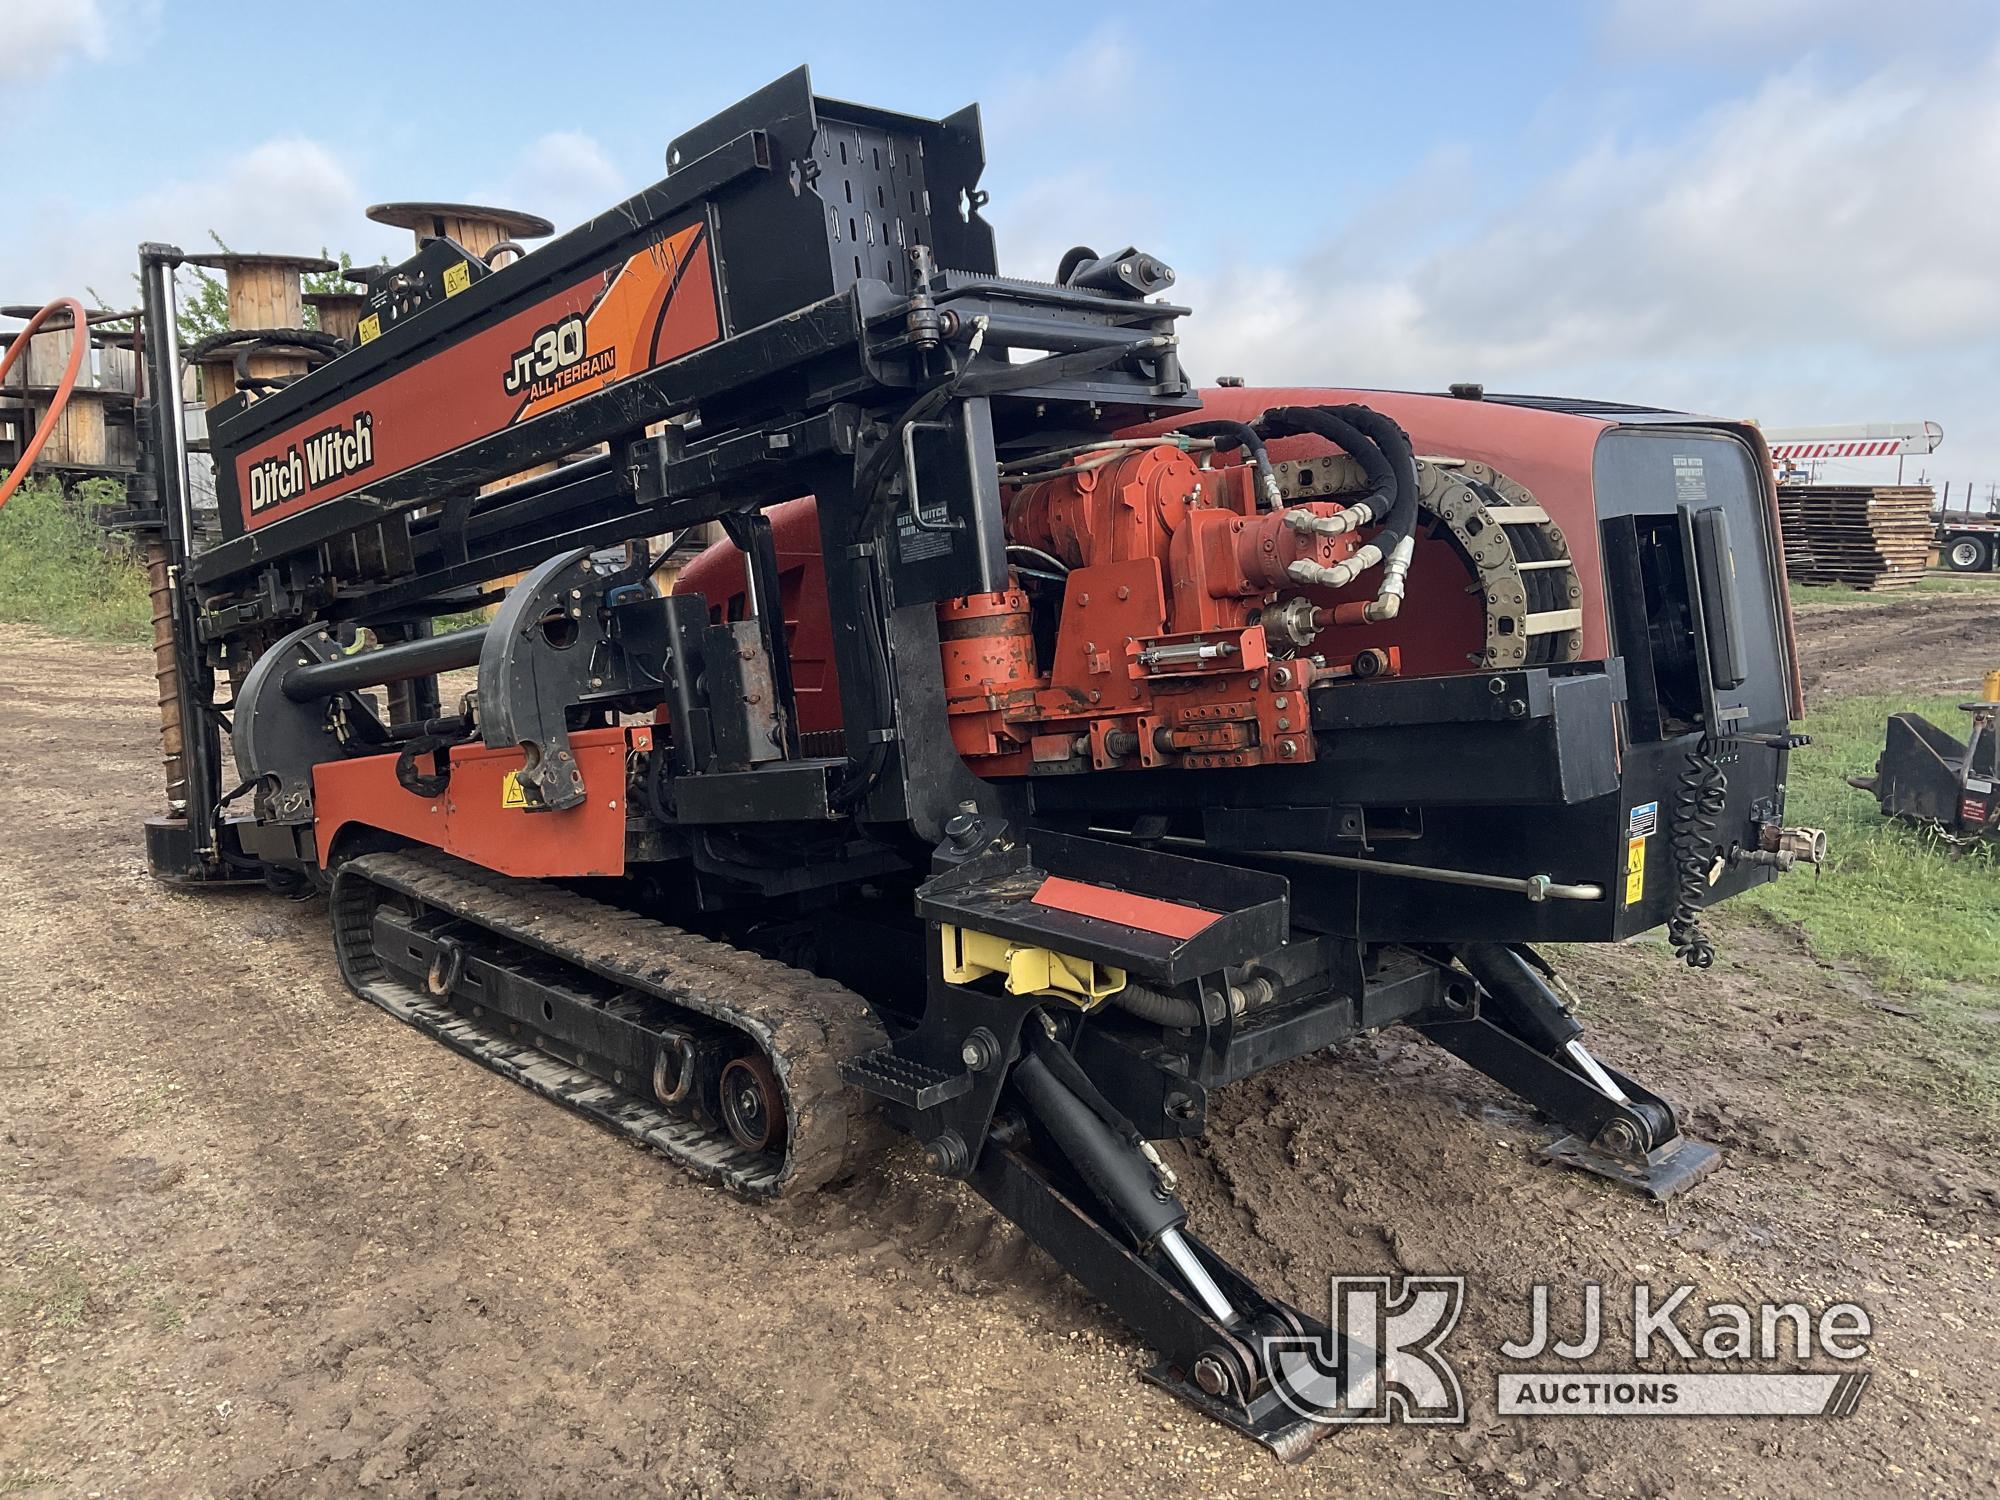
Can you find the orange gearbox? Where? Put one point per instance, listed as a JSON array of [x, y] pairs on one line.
[[1176, 621]]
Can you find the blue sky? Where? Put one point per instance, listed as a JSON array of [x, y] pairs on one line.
[[1770, 208]]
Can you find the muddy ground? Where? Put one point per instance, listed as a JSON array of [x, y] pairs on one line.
[[259, 1239], [1909, 643]]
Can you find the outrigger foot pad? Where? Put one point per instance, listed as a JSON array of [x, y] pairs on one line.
[[1267, 1420], [1521, 1033], [1661, 1173]]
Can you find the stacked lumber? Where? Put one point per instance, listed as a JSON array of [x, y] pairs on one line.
[[1868, 537]]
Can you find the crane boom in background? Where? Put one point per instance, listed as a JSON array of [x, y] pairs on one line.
[[1795, 445]]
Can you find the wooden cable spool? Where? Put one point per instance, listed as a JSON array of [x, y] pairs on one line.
[[264, 293], [46, 427]]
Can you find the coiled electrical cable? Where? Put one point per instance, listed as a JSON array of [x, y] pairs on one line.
[[1700, 797]]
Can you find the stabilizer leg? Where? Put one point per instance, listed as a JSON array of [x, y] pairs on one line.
[[1523, 1036], [1211, 1340]]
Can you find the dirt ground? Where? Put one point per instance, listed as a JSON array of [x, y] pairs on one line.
[[1909, 643], [259, 1239]]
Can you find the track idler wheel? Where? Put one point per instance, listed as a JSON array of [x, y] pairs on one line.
[[753, 1106]]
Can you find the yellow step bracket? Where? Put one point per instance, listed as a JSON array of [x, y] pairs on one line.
[[1029, 970]]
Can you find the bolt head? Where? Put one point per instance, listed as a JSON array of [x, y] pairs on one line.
[[1211, 1376]]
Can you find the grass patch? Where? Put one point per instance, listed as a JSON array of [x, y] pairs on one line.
[[61, 571], [165, 1314], [50, 1292], [1960, 584], [1900, 903]]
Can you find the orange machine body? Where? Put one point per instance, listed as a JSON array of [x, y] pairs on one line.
[[480, 815]]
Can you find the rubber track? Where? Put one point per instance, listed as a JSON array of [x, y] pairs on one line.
[[807, 1025]]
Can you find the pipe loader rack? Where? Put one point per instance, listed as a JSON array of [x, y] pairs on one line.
[[1050, 745]]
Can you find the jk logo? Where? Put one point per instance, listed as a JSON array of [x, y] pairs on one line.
[[1379, 1360]]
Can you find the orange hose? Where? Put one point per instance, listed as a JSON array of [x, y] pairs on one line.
[[80, 320]]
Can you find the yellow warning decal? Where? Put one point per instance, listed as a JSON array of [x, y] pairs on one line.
[[1635, 870], [511, 794], [371, 328], [457, 277]]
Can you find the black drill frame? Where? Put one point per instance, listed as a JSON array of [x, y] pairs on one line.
[[814, 388], [804, 323]]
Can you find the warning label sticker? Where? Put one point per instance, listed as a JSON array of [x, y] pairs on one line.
[[511, 794], [1690, 480], [1635, 870], [1645, 819]]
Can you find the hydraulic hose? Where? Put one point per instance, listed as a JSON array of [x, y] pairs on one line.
[[1320, 421], [1397, 538], [80, 321], [1228, 434], [1389, 463], [1157, 1006], [1395, 445]]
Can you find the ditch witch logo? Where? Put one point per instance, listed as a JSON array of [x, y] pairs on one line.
[[340, 450], [1383, 1359]]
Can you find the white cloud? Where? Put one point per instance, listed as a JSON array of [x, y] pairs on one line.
[[1096, 80], [565, 177], [291, 195], [39, 36], [1810, 253], [1051, 114], [287, 196], [1040, 220]]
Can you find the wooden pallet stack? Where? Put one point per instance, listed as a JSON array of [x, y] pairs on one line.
[[1867, 537]]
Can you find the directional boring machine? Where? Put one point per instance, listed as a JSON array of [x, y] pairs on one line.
[[1048, 745]]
